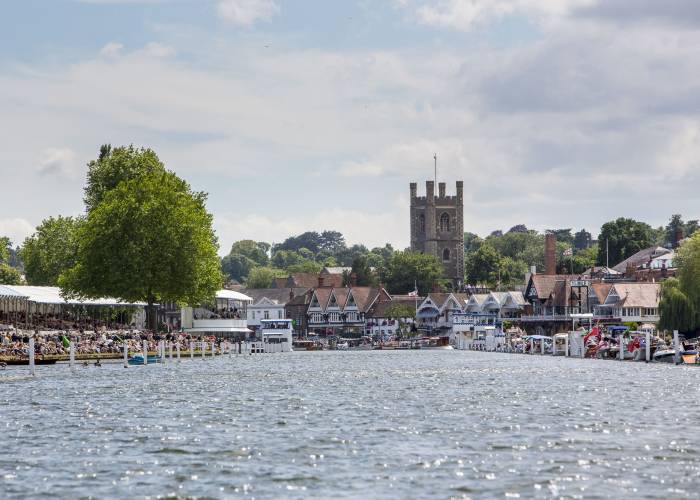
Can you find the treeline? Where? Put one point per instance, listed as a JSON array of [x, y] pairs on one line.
[[256, 264]]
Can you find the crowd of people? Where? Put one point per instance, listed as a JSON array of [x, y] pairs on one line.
[[15, 343]]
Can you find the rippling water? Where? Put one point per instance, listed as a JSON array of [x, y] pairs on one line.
[[382, 424]]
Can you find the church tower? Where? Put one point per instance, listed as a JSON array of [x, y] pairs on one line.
[[437, 227]]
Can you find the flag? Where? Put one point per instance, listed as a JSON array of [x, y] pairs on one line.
[[568, 252], [414, 293], [65, 341]]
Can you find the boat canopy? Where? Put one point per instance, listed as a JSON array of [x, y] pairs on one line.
[[7, 292]]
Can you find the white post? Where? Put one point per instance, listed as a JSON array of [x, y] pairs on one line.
[[647, 347], [126, 355], [145, 352], [191, 350], [676, 347], [170, 345], [72, 354], [542, 346], [177, 348], [622, 347], [204, 349], [32, 368], [532, 346], [566, 346], [161, 346]]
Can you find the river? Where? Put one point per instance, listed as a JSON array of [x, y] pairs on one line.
[[378, 424]]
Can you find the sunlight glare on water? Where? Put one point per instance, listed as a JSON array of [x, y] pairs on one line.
[[379, 424]]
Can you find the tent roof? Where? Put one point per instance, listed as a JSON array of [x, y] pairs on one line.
[[52, 295], [233, 295], [6, 291]]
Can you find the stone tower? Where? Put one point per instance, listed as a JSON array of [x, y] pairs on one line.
[[437, 227]]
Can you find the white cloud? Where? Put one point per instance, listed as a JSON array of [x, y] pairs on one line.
[[16, 229], [112, 49], [368, 228], [466, 14], [247, 12], [59, 162]]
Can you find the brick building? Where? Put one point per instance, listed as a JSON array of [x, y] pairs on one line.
[[437, 227]]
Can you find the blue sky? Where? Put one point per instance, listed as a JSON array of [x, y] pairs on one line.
[[310, 114]]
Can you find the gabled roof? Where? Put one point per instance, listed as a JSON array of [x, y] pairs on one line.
[[276, 295], [379, 308], [517, 299], [477, 300], [641, 257], [545, 284], [637, 294], [600, 290]]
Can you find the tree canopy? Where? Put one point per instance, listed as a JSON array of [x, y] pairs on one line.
[[116, 165], [148, 239], [624, 238], [405, 268], [50, 251]]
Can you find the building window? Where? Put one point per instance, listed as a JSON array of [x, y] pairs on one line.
[[267, 314], [445, 222], [446, 255], [279, 314], [253, 314], [421, 223]]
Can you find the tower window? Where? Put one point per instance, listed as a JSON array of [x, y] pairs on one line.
[[444, 222], [421, 223], [446, 254]]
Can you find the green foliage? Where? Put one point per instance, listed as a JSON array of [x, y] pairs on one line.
[[676, 309], [405, 268], [9, 275], [676, 223], [626, 237], [399, 310], [688, 262], [363, 274], [115, 166], [582, 240], [5, 247], [483, 265], [237, 266], [50, 251], [471, 242], [306, 266], [149, 239], [262, 277], [255, 251], [563, 235], [528, 248]]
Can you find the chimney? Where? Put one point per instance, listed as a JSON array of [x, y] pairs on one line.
[[441, 189], [321, 280], [550, 254]]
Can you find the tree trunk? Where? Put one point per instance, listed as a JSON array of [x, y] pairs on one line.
[[151, 316]]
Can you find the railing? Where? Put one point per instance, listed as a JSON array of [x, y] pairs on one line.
[[218, 323]]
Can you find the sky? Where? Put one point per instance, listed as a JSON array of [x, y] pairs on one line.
[[299, 115]]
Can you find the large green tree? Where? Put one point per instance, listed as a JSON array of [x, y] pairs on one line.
[[624, 238], [688, 262], [676, 310], [50, 251], [148, 239], [255, 251], [115, 165], [262, 277], [406, 268], [9, 275], [362, 271], [483, 265], [237, 266]]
